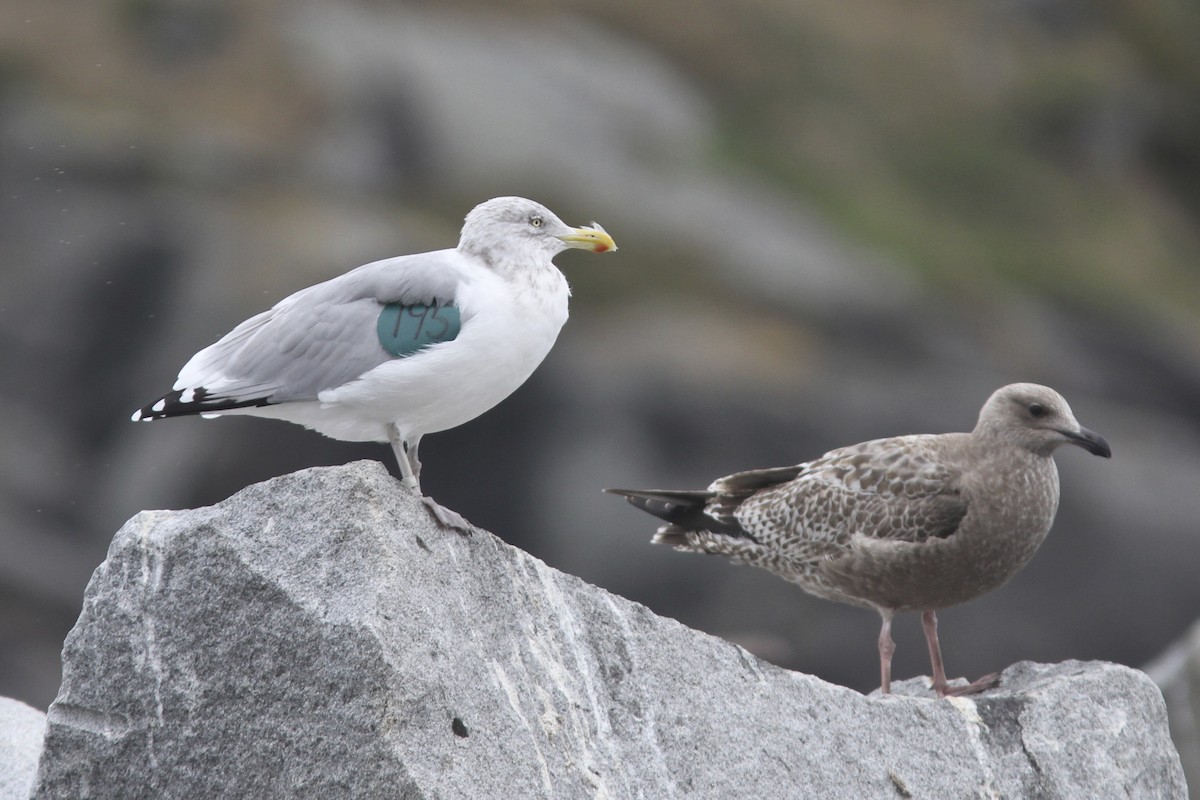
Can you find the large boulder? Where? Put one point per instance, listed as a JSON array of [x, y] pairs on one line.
[[318, 636]]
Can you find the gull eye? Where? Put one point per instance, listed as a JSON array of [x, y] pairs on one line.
[[1037, 410], [535, 221]]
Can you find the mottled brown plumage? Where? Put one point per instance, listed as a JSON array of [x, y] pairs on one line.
[[911, 523]]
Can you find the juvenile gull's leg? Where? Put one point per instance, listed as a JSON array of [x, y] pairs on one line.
[[886, 648], [940, 685]]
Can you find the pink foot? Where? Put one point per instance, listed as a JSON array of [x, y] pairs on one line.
[[989, 681], [447, 518]]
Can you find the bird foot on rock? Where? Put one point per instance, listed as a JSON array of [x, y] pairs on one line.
[[989, 681], [448, 518]]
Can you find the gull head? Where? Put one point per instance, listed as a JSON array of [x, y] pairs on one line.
[[1036, 418], [513, 227]]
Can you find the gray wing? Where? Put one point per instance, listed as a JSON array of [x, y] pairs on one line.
[[897, 489], [318, 338]]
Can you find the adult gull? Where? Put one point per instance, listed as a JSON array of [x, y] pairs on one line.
[[402, 347], [911, 523]]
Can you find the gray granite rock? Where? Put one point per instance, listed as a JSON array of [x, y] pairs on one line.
[[1177, 673], [21, 731], [317, 636]]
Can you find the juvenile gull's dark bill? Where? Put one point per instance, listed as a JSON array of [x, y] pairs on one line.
[[912, 523], [402, 347]]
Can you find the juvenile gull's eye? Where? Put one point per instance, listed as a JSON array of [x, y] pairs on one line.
[[1037, 410]]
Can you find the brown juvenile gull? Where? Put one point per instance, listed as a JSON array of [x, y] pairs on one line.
[[912, 523], [402, 347]]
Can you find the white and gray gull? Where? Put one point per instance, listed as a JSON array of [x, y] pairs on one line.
[[911, 523], [402, 347]]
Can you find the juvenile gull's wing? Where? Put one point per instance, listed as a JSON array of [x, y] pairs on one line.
[[318, 338], [897, 489]]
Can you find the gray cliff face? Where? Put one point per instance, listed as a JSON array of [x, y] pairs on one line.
[[317, 636]]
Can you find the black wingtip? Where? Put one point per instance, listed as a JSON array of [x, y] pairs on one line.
[[683, 510], [665, 505], [199, 401]]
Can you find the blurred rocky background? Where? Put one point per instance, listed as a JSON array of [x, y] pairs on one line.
[[838, 220]]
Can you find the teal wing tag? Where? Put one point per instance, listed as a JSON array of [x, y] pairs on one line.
[[404, 330]]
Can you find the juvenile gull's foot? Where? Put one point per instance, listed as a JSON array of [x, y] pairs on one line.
[[448, 518], [989, 681]]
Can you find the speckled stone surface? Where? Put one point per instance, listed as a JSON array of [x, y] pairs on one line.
[[21, 730]]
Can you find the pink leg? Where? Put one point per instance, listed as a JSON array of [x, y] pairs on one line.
[[929, 623], [886, 648], [940, 685]]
